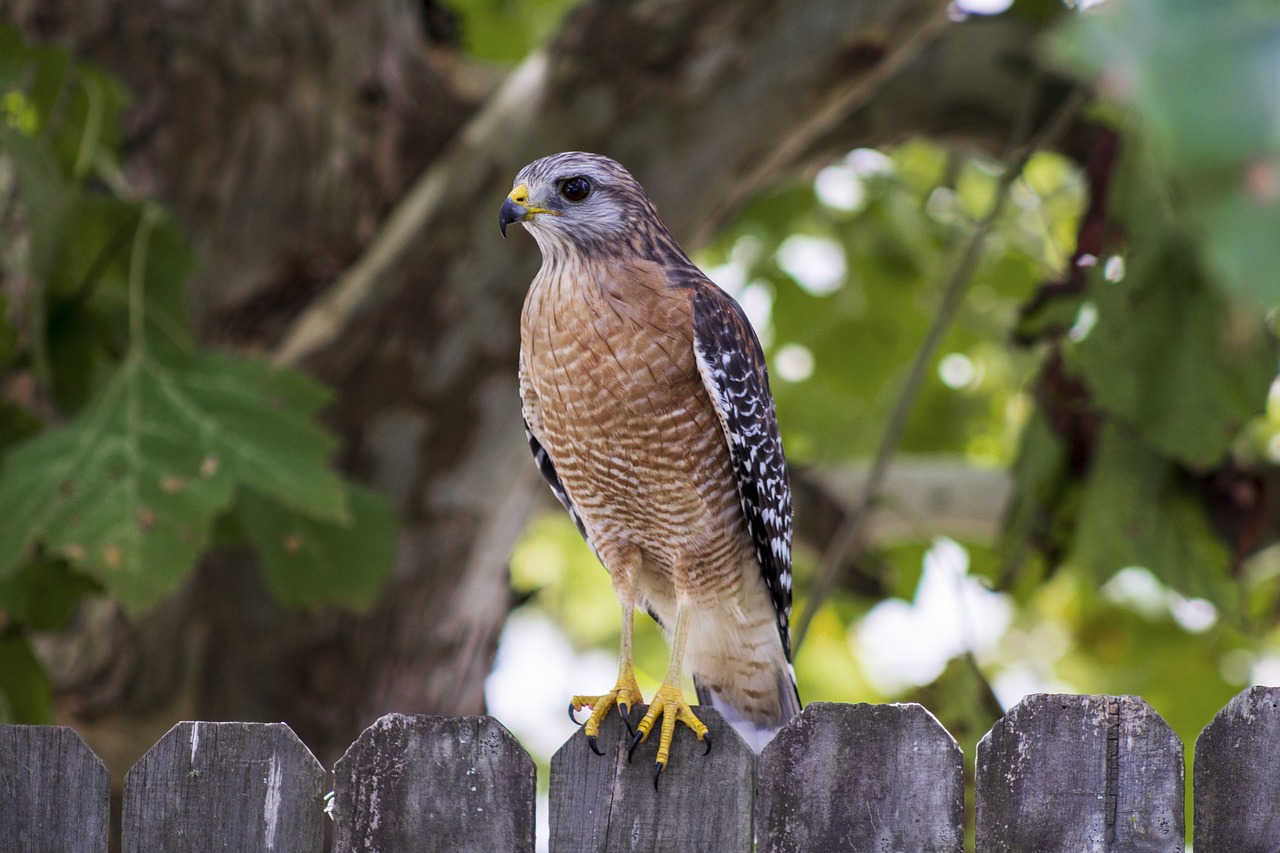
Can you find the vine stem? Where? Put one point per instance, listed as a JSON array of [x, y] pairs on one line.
[[849, 534], [138, 277]]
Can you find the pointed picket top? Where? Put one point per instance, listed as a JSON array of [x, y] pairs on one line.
[[434, 783], [55, 794], [604, 803], [861, 778], [1065, 773], [1237, 776], [247, 787]]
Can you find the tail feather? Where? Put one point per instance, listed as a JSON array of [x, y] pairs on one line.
[[756, 733]]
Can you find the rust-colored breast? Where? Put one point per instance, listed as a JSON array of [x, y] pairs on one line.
[[610, 374]]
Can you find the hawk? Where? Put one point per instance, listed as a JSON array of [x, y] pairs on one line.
[[647, 407]]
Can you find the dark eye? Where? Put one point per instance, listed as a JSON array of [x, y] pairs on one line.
[[575, 189]]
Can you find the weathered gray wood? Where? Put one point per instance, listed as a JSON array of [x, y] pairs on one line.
[[434, 783], [604, 804], [244, 787], [861, 778], [1078, 774], [1237, 776], [55, 795]]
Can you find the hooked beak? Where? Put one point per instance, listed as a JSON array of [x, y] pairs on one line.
[[510, 212], [516, 208]]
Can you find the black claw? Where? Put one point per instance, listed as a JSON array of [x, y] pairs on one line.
[[572, 710], [625, 710], [707, 738], [635, 741], [591, 742], [657, 774]]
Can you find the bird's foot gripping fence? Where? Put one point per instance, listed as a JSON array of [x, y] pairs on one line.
[[670, 706], [1057, 774], [624, 696]]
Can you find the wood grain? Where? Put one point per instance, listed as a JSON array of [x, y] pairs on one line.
[[246, 787], [605, 804], [55, 795], [1237, 776], [434, 783], [1080, 773], [861, 778]]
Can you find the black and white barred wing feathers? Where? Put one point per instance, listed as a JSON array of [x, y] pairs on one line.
[[732, 366]]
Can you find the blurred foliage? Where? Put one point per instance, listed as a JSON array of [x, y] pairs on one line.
[[1207, 120], [507, 30], [1140, 376], [125, 444]]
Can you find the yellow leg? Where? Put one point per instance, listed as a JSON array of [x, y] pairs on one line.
[[669, 703], [625, 694]]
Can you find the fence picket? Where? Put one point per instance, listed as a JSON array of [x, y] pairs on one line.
[[1057, 774], [55, 795], [434, 783], [1080, 773], [246, 787], [1237, 776], [861, 778], [605, 803]]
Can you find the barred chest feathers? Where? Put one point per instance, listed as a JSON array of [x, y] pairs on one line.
[[623, 412]]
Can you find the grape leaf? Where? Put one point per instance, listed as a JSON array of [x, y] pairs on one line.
[[1219, 153], [1138, 510], [1170, 358], [42, 594], [127, 492], [25, 696], [307, 560]]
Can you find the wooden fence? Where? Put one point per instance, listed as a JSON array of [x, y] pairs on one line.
[[1057, 773]]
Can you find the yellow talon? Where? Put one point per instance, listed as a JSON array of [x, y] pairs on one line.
[[668, 703], [626, 694]]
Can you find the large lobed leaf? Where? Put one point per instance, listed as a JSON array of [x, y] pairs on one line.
[[307, 560], [1201, 79], [1172, 359], [129, 490], [158, 441], [1138, 510]]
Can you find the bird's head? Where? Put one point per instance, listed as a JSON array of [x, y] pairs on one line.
[[578, 201]]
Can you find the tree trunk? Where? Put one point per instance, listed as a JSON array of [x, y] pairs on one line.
[[285, 139]]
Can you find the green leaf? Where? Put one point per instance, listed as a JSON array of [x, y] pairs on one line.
[[82, 352], [1138, 510], [1041, 486], [128, 490], [71, 106], [507, 29], [25, 697], [1170, 357], [149, 272], [1219, 153], [42, 594], [16, 424], [1139, 47], [87, 131], [8, 335], [41, 184], [1242, 245], [307, 560]]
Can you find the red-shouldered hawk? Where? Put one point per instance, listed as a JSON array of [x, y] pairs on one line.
[[647, 407]]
